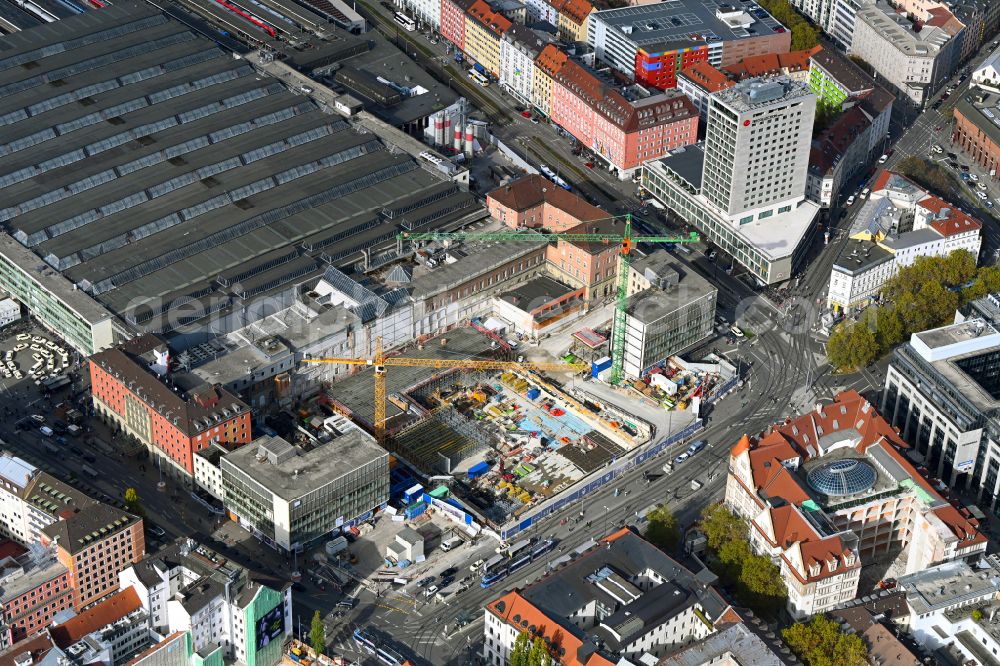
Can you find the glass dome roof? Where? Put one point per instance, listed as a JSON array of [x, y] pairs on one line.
[[843, 477]]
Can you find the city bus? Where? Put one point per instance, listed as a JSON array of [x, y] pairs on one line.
[[405, 21], [516, 557], [479, 77]]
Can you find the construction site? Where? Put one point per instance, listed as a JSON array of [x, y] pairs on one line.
[[507, 438]]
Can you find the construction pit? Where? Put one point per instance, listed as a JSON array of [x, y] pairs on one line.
[[510, 439], [503, 440]]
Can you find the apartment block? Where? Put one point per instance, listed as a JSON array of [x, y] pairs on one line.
[[173, 414], [587, 609], [519, 47], [916, 63], [484, 29], [976, 130], [898, 223], [622, 133], [34, 587], [228, 613], [94, 543]]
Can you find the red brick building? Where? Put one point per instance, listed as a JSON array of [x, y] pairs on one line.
[[32, 595], [173, 414], [536, 202], [94, 544]]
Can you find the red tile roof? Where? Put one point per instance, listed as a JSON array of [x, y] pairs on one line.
[[493, 21], [575, 10], [520, 613], [606, 100], [823, 551], [100, 615], [534, 190], [961, 524], [551, 60], [707, 76], [882, 180], [956, 221], [773, 63], [37, 646]]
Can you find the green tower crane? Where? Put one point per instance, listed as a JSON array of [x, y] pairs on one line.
[[625, 240]]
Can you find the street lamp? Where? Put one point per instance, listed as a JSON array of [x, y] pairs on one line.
[[604, 530]]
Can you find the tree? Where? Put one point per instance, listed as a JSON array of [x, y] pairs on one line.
[[761, 580], [977, 615], [520, 654], [820, 642], [539, 654], [662, 530], [132, 502], [851, 346], [317, 634], [888, 327], [720, 526]]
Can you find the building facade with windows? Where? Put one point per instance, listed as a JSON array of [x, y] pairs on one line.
[[941, 392], [828, 488], [94, 543], [589, 609], [916, 63], [675, 312], [227, 611], [622, 133], [484, 29], [294, 496], [173, 414], [652, 42], [744, 189], [31, 594]]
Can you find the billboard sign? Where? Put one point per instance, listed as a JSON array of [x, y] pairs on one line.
[[271, 627]]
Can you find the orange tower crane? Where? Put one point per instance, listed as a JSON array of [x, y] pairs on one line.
[[380, 362]]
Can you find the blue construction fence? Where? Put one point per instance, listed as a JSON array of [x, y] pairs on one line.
[[619, 468], [721, 391]]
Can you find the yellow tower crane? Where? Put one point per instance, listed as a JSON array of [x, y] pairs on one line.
[[380, 362]]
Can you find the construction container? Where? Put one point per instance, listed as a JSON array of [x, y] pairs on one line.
[[478, 470], [600, 364]]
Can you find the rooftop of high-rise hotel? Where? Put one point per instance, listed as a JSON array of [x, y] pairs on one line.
[[757, 93]]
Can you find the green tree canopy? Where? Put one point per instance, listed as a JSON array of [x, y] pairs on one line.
[[522, 648], [317, 634], [762, 582], [662, 530], [920, 296], [720, 526], [852, 345], [820, 642]]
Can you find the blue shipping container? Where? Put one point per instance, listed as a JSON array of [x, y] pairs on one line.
[[533, 393], [478, 469], [599, 366]]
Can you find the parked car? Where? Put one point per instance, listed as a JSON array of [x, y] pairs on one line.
[[850, 201], [477, 565], [450, 571], [155, 530], [681, 458], [883, 159], [427, 580], [737, 331], [431, 591]]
